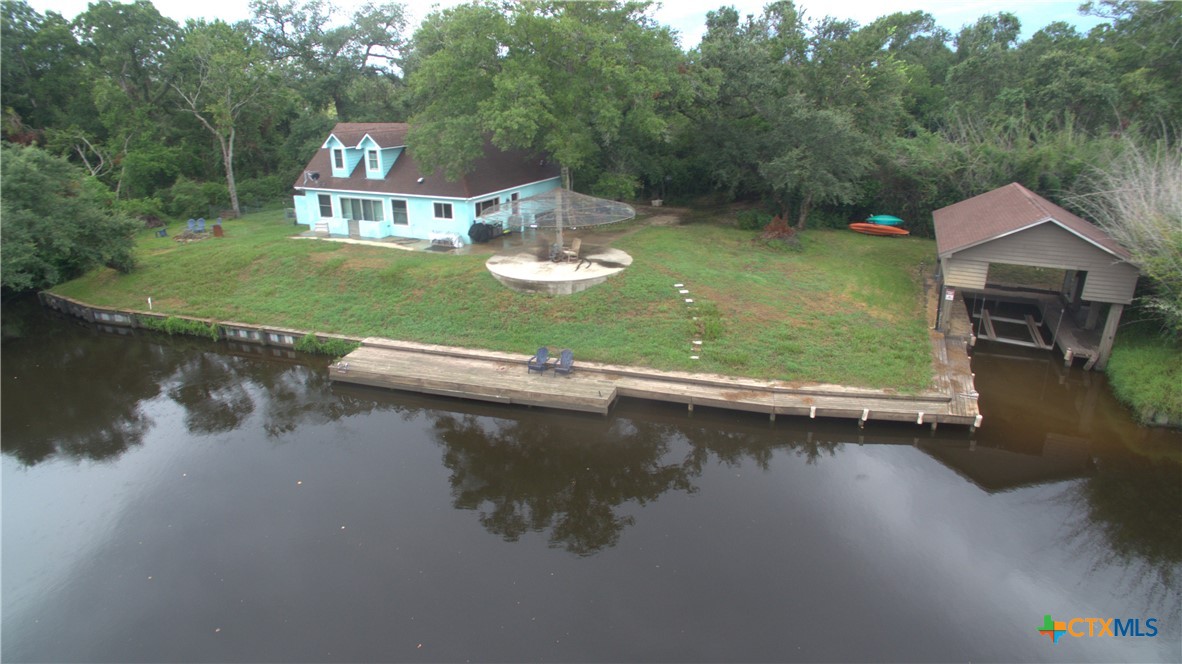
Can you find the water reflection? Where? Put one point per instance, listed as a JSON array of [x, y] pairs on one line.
[[93, 395], [570, 476], [612, 497], [567, 477]]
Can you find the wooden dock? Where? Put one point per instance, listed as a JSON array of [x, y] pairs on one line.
[[594, 387]]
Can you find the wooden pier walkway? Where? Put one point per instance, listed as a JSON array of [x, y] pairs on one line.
[[594, 387]]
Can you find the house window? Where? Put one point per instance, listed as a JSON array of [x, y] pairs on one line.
[[443, 210], [484, 205], [325, 205], [373, 160], [516, 207], [399, 217], [363, 209], [338, 159]]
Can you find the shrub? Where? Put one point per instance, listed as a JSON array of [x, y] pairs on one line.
[[149, 210], [260, 191], [752, 220], [188, 198], [331, 347], [173, 326], [57, 222]]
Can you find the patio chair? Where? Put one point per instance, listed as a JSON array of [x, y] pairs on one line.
[[566, 362], [201, 225], [539, 362], [192, 225], [573, 252]]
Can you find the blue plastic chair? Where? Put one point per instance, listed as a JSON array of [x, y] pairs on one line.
[[539, 362], [201, 225], [566, 362], [192, 225]]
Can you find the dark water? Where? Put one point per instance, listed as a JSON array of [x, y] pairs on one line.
[[176, 500]]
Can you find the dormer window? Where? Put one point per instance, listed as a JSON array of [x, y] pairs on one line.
[[338, 159], [372, 162]]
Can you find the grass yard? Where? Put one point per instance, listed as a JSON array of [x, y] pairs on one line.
[[845, 309], [1145, 371]]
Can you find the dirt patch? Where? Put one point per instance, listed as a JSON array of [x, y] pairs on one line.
[[664, 220]]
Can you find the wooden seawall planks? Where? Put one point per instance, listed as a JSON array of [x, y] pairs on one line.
[[593, 387]]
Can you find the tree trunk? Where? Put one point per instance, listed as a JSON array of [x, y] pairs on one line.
[[806, 204], [228, 160]]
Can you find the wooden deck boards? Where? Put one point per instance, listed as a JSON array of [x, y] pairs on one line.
[[487, 380], [593, 387]]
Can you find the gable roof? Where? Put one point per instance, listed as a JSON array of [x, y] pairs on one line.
[[385, 134], [496, 170], [1007, 210]]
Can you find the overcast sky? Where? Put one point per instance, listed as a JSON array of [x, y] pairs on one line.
[[688, 17]]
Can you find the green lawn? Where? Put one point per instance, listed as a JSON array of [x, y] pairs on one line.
[[1145, 371], [845, 309]]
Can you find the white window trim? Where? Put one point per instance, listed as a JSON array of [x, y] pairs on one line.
[[496, 200], [405, 202], [380, 201], [376, 169], [344, 161], [450, 208]]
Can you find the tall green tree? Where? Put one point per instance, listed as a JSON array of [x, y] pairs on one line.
[[796, 107], [352, 65], [1143, 40], [219, 74], [42, 82], [125, 47], [585, 82], [56, 222]]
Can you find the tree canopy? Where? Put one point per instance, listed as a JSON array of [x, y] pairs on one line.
[[585, 82], [57, 222], [819, 118]]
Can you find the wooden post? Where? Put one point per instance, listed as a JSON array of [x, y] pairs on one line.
[[1093, 316], [1114, 313], [1068, 284]]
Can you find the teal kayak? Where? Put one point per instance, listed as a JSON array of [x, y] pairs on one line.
[[885, 220]]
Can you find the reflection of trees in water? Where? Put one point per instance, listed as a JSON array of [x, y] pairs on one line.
[[565, 475], [213, 393], [1131, 519], [66, 394], [571, 476], [94, 385]]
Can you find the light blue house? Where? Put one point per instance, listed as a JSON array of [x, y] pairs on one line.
[[362, 183]]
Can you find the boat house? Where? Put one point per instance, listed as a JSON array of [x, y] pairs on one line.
[[979, 239]]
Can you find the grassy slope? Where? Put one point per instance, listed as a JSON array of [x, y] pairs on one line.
[[1145, 371], [847, 309]]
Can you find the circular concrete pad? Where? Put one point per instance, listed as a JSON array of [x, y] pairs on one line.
[[527, 273]]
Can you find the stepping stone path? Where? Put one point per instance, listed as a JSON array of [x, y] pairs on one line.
[[695, 344]]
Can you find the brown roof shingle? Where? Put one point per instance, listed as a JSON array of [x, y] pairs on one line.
[[494, 171], [1006, 210]]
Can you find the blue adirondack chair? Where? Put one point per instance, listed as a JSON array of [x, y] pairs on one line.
[[539, 362], [201, 225], [566, 362], [192, 225]]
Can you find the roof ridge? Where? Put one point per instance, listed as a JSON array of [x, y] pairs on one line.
[[1035, 201]]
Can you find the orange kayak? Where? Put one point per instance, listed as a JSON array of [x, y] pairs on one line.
[[877, 229]]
